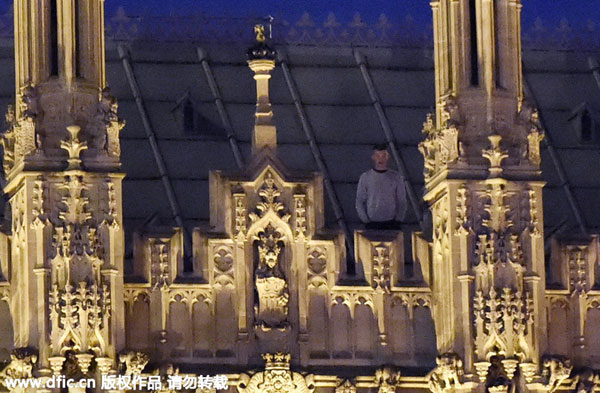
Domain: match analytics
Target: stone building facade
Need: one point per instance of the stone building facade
(271, 301)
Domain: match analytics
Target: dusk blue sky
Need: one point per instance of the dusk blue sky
(550, 11)
(579, 14)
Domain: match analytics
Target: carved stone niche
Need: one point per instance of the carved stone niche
(574, 264)
(381, 257)
(271, 286)
(266, 188)
(158, 255)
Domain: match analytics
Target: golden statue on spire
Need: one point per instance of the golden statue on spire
(260, 32)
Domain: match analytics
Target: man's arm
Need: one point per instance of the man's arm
(361, 199)
(401, 200)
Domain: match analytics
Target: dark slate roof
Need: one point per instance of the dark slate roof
(340, 111)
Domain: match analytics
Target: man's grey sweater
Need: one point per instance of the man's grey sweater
(381, 196)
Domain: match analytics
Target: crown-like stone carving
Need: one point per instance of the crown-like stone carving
(272, 307)
(387, 380)
(276, 378)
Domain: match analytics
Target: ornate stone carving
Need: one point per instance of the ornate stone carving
(277, 378)
(387, 380)
(497, 218)
(533, 216)
(75, 200)
(160, 264)
(223, 266)
(528, 371)
(412, 300)
(317, 268)
(450, 112)
(134, 362)
(500, 374)
(447, 375)
(37, 201)
(345, 386)
(462, 216)
(503, 323)
(106, 113)
(556, 370)
(8, 139)
(381, 268)
(79, 318)
(440, 147)
(29, 102)
(133, 295)
(21, 364)
(427, 147)
(239, 200)
(25, 132)
(80, 301)
(111, 203)
(74, 147)
(533, 146)
(300, 215)
(530, 118)
(495, 155)
(269, 195)
(190, 296)
(351, 299)
(272, 288)
(577, 260)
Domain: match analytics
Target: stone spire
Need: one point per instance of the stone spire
(60, 82)
(482, 178)
(61, 153)
(479, 91)
(261, 60)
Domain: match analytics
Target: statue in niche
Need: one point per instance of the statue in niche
(271, 302)
(107, 108)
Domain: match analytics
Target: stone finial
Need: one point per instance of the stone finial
(261, 60)
(495, 155)
(74, 147)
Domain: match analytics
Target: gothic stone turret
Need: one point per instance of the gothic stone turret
(482, 157)
(61, 151)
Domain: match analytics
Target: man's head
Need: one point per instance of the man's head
(380, 157)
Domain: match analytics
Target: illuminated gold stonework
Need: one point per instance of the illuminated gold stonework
(269, 298)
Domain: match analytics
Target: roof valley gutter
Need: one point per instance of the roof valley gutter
(385, 125)
(557, 163)
(214, 88)
(151, 135)
(314, 148)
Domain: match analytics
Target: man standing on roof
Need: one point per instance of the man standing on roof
(381, 196)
